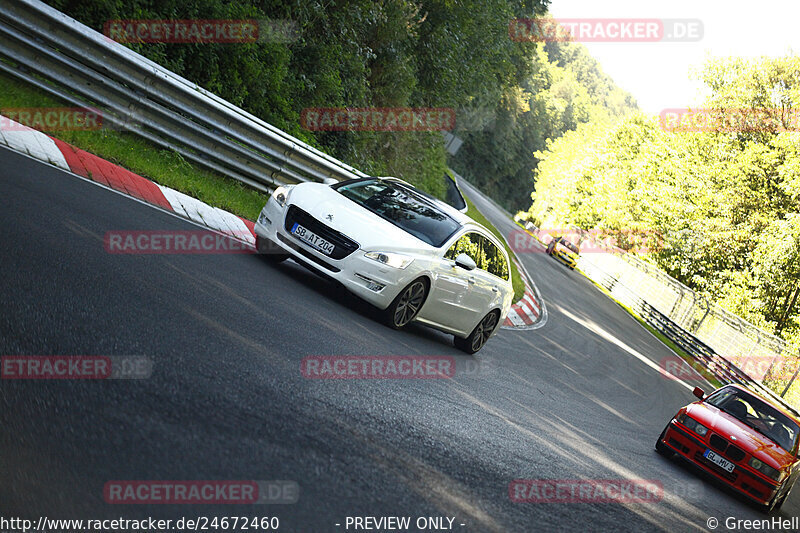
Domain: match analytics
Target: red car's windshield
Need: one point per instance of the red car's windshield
(570, 246)
(757, 414)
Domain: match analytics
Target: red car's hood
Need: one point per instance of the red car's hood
(746, 438)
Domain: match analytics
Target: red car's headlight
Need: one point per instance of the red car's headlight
(692, 424)
(765, 469)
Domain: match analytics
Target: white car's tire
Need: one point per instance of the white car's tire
(405, 307)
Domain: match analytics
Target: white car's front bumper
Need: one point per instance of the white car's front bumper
(372, 281)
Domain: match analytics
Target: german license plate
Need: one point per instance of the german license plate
(719, 461)
(312, 239)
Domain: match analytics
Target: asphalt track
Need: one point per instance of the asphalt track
(579, 398)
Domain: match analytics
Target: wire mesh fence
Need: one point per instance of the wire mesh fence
(765, 358)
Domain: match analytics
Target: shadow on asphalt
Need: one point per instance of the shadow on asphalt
(336, 293)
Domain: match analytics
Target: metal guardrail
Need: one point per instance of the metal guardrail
(712, 362)
(767, 358)
(709, 359)
(684, 317)
(70, 61)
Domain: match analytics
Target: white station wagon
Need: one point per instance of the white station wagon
(410, 255)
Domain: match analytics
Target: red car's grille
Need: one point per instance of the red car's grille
(718, 443)
(729, 450)
(754, 491)
(734, 453)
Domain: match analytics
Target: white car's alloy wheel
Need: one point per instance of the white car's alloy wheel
(479, 335)
(407, 304)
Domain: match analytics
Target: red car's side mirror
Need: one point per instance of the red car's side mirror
(698, 392)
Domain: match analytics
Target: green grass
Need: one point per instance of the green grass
(516, 278)
(127, 150)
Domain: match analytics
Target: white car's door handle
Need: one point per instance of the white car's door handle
(495, 289)
(471, 281)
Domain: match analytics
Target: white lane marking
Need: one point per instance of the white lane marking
(188, 205)
(204, 214)
(238, 226)
(210, 216)
(54, 155)
(32, 142)
(527, 310)
(173, 198)
(514, 317)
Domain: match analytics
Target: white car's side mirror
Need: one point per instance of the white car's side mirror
(464, 261)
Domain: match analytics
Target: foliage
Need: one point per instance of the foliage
(347, 53)
(563, 88)
(726, 203)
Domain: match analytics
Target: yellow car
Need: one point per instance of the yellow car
(564, 251)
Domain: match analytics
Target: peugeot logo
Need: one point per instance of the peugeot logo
(330, 217)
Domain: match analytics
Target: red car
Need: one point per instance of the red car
(741, 439)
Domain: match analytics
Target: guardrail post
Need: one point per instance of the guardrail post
(791, 381)
(703, 318)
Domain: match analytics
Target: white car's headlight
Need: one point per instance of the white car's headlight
(390, 259)
(281, 193)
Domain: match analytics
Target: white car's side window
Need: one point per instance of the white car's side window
(483, 251)
(496, 260)
(470, 244)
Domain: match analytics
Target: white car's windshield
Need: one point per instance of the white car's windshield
(403, 207)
